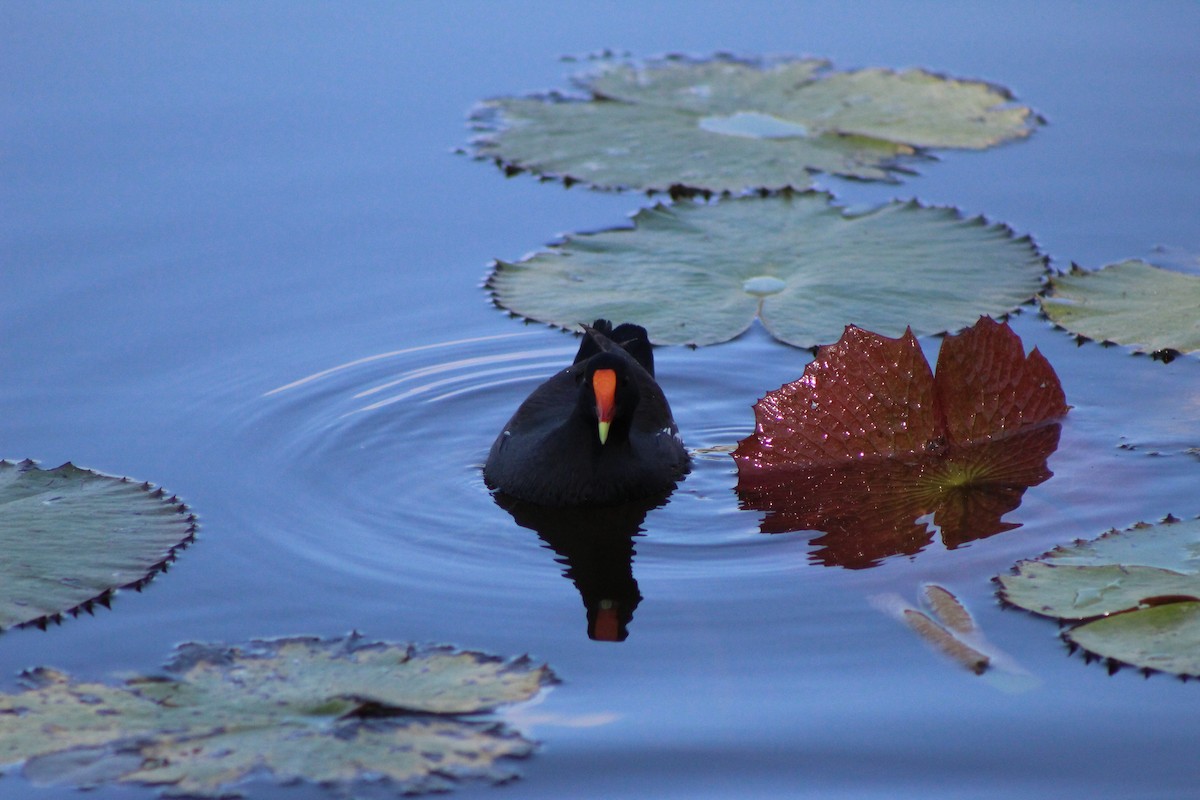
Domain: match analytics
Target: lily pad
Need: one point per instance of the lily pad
(700, 274)
(70, 537)
(1133, 303)
(1136, 591)
(337, 712)
(875, 451)
(729, 125)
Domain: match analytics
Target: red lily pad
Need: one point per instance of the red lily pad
(874, 450)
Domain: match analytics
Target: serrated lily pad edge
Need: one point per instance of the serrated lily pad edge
(483, 120)
(1113, 665)
(186, 655)
(498, 265)
(1165, 355)
(105, 597)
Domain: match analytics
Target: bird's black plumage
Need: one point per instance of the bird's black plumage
(550, 452)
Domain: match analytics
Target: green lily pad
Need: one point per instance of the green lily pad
(1163, 638)
(1133, 303)
(70, 537)
(728, 125)
(1136, 592)
(337, 712)
(695, 273)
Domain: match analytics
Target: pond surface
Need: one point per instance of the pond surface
(240, 259)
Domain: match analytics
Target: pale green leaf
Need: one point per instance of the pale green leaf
(725, 125)
(714, 86)
(333, 712)
(1131, 303)
(70, 537)
(700, 273)
(1164, 638)
(1137, 592)
(1079, 592)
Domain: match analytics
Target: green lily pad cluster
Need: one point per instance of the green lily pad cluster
(1133, 596)
(754, 132)
(730, 126)
(336, 712)
(339, 712)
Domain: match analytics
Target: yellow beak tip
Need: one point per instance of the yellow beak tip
(604, 432)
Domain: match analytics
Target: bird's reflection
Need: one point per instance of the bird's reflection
(595, 546)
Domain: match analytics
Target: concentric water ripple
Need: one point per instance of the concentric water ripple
(385, 454)
(379, 471)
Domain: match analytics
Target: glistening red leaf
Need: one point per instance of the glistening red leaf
(986, 388)
(875, 451)
(865, 396)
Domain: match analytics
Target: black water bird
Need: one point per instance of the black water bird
(599, 432)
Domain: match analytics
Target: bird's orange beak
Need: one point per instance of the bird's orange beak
(604, 384)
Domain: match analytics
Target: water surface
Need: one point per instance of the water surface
(239, 259)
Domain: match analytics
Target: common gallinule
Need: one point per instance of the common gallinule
(598, 433)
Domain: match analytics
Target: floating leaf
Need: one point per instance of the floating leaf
(700, 273)
(1164, 638)
(1140, 589)
(727, 125)
(948, 627)
(335, 712)
(69, 537)
(872, 449)
(1133, 303)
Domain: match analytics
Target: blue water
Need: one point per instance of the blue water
(239, 258)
